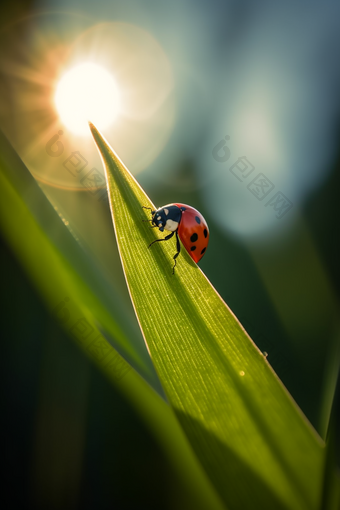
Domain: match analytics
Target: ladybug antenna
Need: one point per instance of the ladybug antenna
(150, 208)
(152, 213)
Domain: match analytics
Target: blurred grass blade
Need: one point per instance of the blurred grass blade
(331, 489)
(37, 233)
(251, 438)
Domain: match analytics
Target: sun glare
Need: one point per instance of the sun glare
(87, 93)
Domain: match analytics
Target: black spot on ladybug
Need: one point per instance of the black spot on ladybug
(197, 220)
(205, 232)
(203, 250)
(194, 238)
(183, 208)
(193, 248)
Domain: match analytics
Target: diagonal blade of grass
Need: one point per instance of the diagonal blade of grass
(75, 274)
(48, 261)
(253, 441)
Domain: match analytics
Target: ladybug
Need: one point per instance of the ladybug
(187, 223)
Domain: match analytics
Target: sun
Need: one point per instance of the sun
(87, 93)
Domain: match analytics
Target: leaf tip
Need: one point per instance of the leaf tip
(92, 128)
(97, 136)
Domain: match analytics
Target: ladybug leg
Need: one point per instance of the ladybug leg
(166, 238)
(178, 245)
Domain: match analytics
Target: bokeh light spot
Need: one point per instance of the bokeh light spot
(87, 93)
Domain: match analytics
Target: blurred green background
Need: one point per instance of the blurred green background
(265, 75)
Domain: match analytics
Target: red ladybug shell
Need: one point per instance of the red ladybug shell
(193, 231)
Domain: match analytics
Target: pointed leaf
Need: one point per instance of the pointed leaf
(254, 443)
(71, 285)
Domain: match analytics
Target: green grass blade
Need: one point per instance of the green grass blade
(254, 443)
(59, 269)
(331, 489)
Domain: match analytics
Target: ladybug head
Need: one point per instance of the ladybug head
(159, 218)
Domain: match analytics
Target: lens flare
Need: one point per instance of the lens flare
(87, 93)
